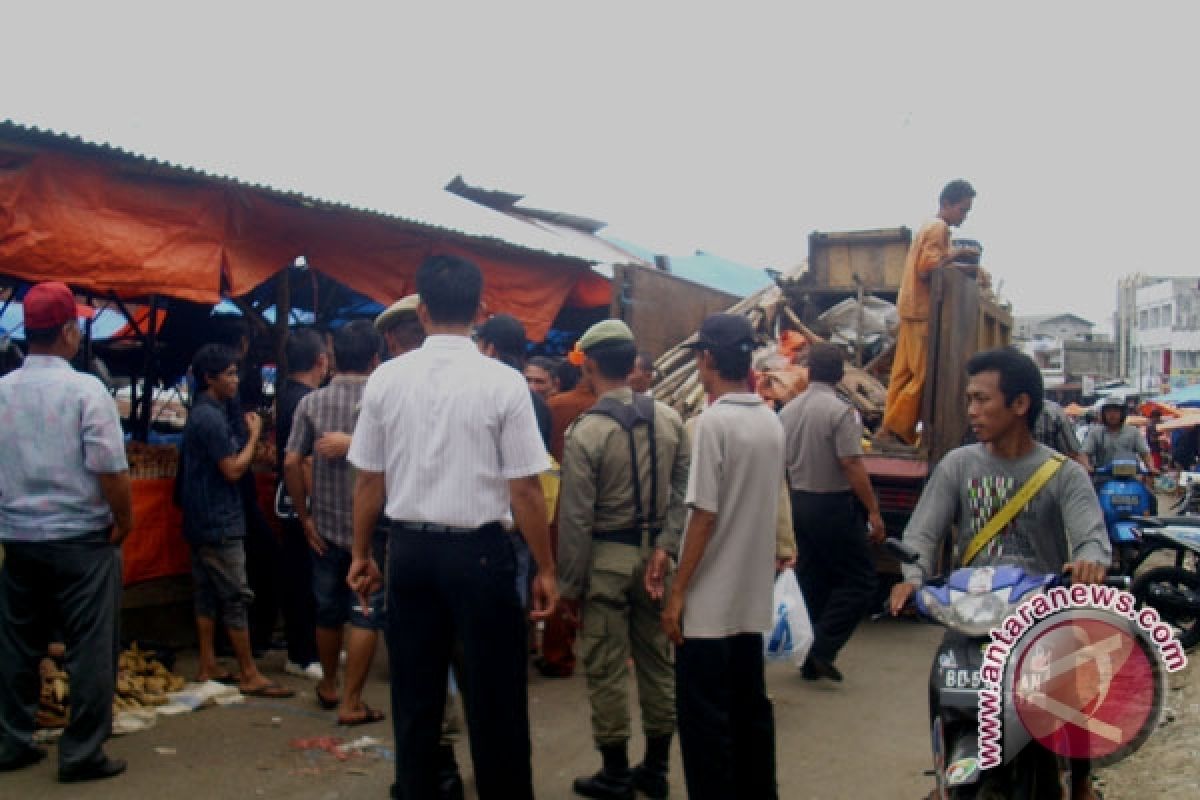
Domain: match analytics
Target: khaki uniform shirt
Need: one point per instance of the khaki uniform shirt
(596, 493)
(821, 429)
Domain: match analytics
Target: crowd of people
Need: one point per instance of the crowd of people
(441, 490)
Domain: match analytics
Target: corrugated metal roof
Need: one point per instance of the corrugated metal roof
(435, 210)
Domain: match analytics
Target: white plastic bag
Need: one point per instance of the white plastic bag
(791, 635)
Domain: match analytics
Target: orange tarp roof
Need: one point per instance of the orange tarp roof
(85, 221)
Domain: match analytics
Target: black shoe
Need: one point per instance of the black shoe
(652, 784)
(449, 781)
(614, 781)
(650, 776)
(108, 768)
(814, 669)
(30, 757)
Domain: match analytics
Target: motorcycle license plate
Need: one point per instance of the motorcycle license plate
(961, 679)
(1125, 500)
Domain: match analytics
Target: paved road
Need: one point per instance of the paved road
(864, 739)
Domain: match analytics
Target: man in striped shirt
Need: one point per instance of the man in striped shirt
(329, 529)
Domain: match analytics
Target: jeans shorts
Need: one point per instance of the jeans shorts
(336, 601)
(219, 574)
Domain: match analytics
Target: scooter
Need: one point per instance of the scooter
(1139, 542)
(969, 603)
(1123, 497)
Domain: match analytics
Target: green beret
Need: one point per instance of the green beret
(397, 311)
(605, 332)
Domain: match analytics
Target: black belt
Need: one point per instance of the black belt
(434, 527)
(629, 536)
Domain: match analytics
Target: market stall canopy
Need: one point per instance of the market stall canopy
(1188, 396)
(106, 220)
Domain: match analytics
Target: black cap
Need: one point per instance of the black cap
(505, 332)
(725, 332)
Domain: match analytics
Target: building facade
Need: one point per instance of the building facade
(1165, 337)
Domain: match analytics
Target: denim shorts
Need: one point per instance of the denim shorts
(336, 601)
(219, 575)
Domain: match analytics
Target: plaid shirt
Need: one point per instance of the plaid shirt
(333, 409)
(1055, 430)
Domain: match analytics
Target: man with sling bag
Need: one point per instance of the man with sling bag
(624, 477)
(1013, 500)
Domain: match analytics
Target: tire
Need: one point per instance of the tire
(1186, 622)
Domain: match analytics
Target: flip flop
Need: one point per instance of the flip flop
(325, 703)
(270, 690)
(369, 716)
(228, 678)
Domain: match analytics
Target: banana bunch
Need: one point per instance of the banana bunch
(142, 682)
(54, 697)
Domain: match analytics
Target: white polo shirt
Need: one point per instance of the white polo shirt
(449, 428)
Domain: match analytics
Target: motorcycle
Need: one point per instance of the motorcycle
(1139, 542)
(1123, 497)
(1171, 589)
(969, 603)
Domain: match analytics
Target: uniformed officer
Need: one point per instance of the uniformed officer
(621, 512)
(830, 490)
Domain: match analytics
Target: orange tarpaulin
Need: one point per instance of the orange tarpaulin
(156, 547)
(102, 226)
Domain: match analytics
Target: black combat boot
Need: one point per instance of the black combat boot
(650, 776)
(614, 781)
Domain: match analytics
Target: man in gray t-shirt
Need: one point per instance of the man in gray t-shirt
(1113, 440)
(1061, 527)
(721, 599)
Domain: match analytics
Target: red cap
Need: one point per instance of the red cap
(52, 305)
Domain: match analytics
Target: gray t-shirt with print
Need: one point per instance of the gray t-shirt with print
(1062, 523)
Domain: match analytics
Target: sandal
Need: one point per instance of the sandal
(269, 690)
(325, 703)
(369, 716)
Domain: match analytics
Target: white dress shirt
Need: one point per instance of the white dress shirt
(448, 427)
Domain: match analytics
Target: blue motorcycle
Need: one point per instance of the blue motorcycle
(1124, 499)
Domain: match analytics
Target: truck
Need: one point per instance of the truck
(963, 321)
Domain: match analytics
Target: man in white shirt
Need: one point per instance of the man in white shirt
(448, 437)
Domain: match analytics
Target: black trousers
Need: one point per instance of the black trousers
(75, 584)
(834, 566)
(443, 589)
(296, 594)
(726, 725)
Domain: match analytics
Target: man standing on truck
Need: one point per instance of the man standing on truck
(930, 250)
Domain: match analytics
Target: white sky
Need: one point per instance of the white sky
(737, 128)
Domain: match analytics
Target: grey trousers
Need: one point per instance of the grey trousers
(74, 586)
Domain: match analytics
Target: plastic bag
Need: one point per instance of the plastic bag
(791, 635)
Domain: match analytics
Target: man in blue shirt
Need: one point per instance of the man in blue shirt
(65, 507)
(213, 518)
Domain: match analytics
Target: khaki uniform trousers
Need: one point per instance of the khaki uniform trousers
(620, 620)
(907, 383)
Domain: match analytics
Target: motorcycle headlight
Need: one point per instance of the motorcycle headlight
(971, 613)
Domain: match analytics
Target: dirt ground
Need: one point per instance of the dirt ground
(865, 739)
